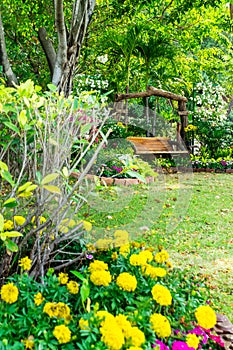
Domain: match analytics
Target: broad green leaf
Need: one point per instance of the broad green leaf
(6, 234)
(79, 275)
(26, 101)
(23, 187)
(3, 166)
(12, 127)
(22, 118)
(1, 222)
(85, 291)
(52, 87)
(52, 189)
(65, 171)
(31, 188)
(11, 246)
(10, 203)
(135, 174)
(49, 178)
(7, 176)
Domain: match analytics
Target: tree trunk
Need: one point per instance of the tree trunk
(4, 62)
(70, 42)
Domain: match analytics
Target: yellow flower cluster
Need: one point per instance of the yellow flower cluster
(154, 272)
(8, 225)
(97, 265)
(62, 333)
(112, 335)
(9, 293)
(59, 310)
(72, 287)
(206, 317)
(127, 282)
(28, 343)
(162, 256)
(19, 220)
(118, 331)
(141, 258)
(160, 325)
(124, 250)
(161, 295)
(101, 278)
(38, 299)
(25, 263)
(63, 278)
(192, 341)
(121, 237)
(83, 324)
(190, 127)
(103, 244)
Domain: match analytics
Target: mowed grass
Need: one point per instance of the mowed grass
(190, 215)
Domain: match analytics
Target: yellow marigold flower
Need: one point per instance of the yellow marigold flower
(25, 263)
(103, 244)
(134, 348)
(112, 335)
(9, 293)
(29, 343)
(162, 256)
(169, 264)
(160, 325)
(63, 278)
(192, 341)
(137, 260)
(124, 250)
(121, 238)
(124, 325)
(97, 265)
(19, 220)
(101, 278)
(135, 245)
(114, 256)
(8, 225)
(154, 272)
(87, 225)
(59, 310)
(161, 295)
(126, 282)
(38, 299)
(62, 333)
(147, 254)
(104, 315)
(83, 324)
(206, 317)
(72, 287)
(137, 336)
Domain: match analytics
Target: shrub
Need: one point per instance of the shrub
(145, 303)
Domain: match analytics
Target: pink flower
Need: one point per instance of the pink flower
(180, 345)
(161, 344)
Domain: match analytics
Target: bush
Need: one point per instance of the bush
(129, 297)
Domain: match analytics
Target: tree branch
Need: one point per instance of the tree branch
(48, 48)
(62, 41)
(4, 62)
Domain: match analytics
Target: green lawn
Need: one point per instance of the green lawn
(191, 215)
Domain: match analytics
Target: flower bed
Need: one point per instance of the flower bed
(125, 296)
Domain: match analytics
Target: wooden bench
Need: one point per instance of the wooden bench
(160, 146)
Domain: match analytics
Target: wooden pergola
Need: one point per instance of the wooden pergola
(152, 91)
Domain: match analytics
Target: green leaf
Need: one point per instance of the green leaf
(79, 275)
(12, 127)
(22, 118)
(85, 291)
(52, 189)
(23, 187)
(49, 178)
(3, 166)
(52, 87)
(10, 203)
(1, 222)
(136, 175)
(7, 176)
(11, 246)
